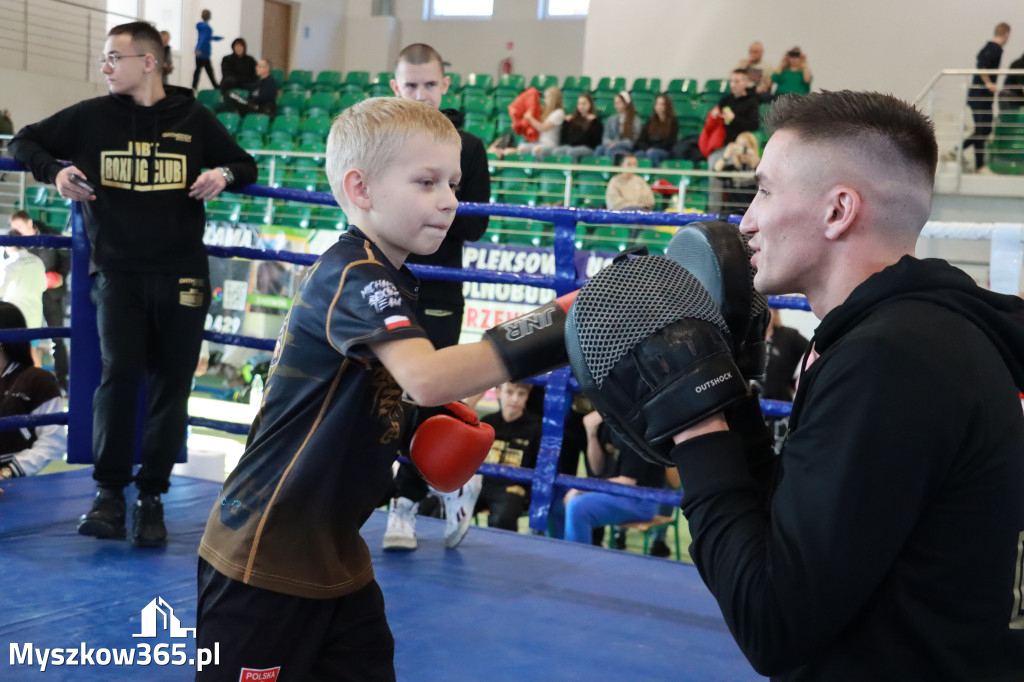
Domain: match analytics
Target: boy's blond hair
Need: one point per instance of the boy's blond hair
(368, 136)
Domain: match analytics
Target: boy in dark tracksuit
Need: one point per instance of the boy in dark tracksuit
(143, 149)
(286, 585)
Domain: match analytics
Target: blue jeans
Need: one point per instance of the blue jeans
(589, 510)
(655, 154)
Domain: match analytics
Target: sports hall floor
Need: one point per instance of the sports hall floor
(504, 606)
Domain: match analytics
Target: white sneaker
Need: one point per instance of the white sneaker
(400, 535)
(458, 511)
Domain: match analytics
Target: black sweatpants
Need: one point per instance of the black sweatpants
(202, 64)
(443, 325)
(151, 329)
(310, 640)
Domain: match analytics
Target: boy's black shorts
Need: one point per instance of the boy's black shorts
(306, 640)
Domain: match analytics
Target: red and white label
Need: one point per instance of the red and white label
(396, 321)
(264, 675)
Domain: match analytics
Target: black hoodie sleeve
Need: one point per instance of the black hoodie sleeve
(220, 149)
(39, 145)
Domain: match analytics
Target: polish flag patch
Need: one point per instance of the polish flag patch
(396, 321)
(262, 675)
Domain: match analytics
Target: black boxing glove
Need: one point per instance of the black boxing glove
(533, 343)
(649, 348)
(716, 253)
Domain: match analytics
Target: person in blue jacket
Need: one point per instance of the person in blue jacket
(205, 36)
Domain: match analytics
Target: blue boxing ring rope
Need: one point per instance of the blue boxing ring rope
(559, 384)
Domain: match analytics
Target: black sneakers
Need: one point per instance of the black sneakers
(148, 522)
(106, 518)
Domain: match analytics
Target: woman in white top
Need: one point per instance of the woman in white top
(552, 116)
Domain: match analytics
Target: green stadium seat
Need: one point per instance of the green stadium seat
(483, 130)
(211, 99)
(502, 124)
(454, 82)
(224, 209)
(525, 233)
(515, 186)
(576, 83)
(326, 81)
(656, 241)
(299, 80)
(503, 98)
(477, 102)
(608, 238)
(316, 124)
(648, 85)
(478, 82)
(318, 112)
(249, 140)
(312, 145)
(451, 100)
(610, 84)
(255, 123)
(510, 82)
(543, 81)
(643, 102)
(604, 102)
(328, 218)
(322, 100)
(285, 124)
(714, 89)
(682, 89)
(278, 76)
(348, 99)
(357, 79)
(551, 188)
(229, 120)
(292, 215)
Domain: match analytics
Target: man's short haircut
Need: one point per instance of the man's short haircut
(145, 38)
(742, 71)
(21, 215)
(369, 135)
(846, 115)
(1003, 30)
(420, 53)
(205, 14)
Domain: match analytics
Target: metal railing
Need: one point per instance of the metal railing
(948, 100)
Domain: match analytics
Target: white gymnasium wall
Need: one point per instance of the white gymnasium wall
(887, 45)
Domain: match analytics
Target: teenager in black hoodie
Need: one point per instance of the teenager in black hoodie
(885, 542)
(142, 148)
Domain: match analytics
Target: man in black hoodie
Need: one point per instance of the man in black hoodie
(140, 152)
(886, 540)
(419, 75)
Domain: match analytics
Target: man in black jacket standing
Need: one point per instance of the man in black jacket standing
(136, 157)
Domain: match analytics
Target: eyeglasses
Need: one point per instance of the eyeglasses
(113, 59)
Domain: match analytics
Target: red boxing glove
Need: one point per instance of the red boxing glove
(449, 448)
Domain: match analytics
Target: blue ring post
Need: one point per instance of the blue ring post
(85, 347)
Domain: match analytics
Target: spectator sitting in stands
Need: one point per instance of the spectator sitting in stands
(581, 132)
(516, 443)
(659, 133)
(262, 97)
(552, 116)
(622, 129)
(741, 155)
(627, 191)
(57, 263)
(26, 390)
(793, 75)
(585, 511)
(760, 75)
(238, 69)
(23, 281)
